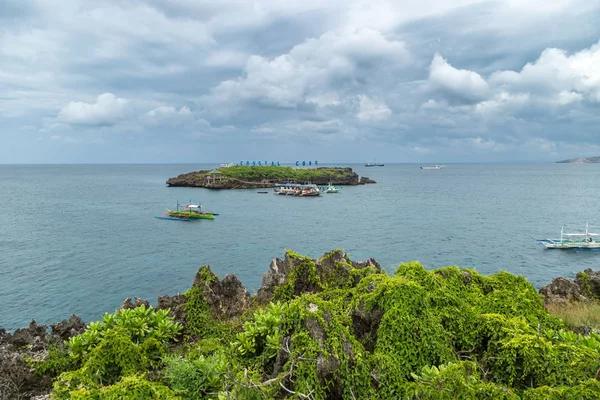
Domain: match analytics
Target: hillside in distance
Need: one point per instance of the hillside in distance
(581, 160)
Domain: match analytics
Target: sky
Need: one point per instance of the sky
(192, 81)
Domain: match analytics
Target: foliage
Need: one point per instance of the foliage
(457, 380)
(200, 324)
(345, 332)
(57, 362)
(584, 281)
(125, 343)
(196, 378)
(258, 173)
(135, 387)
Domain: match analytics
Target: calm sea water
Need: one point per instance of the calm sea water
(81, 238)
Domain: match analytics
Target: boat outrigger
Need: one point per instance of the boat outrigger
(190, 211)
(577, 241)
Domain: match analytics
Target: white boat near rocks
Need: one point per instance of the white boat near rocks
(577, 241)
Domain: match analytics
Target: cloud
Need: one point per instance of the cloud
(311, 71)
(457, 84)
(466, 80)
(556, 72)
(370, 110)
(167, 115)
(107, 110)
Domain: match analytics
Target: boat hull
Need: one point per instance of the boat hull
(190, 215)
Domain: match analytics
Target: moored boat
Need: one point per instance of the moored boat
(331, 189)
(294, 189)
(577, 241)
(188, 212)
(431, 167)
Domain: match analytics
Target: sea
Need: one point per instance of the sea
(79, 239)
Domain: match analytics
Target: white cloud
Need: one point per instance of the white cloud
(167, 115)
(555, 71)
(309, 71)
(226, 59)
(107, 110)
(371, 110)
(468, 86)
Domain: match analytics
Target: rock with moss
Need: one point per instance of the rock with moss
(251, 177)
(297, 274)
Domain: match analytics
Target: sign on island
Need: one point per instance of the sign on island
(274, 163)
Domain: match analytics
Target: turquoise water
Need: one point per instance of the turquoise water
(81, 238)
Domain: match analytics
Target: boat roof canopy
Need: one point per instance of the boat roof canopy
(295, 185)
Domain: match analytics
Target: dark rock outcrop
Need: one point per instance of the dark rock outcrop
(176, 305)
(67, 329)
(562, 290)
(226, 298)
(18, 379)
(365, 180)
(585, 287)
(327, 268)
(135, 303)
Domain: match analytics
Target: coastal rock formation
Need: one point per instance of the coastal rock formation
(135, 303)
(335, 263)
(18, 379)
(585, 287)
(176, 305)
(226, 298)
(241, 177)
(365, 180)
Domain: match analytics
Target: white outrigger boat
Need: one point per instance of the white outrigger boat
(578, 241)
(331, 189)
(432, 167)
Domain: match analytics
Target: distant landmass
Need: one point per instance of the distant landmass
(581, 160)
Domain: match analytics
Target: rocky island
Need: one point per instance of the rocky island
(580, 160)
(326, 328)
(253, 177)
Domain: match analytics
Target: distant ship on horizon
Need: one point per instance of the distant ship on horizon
(373, 164)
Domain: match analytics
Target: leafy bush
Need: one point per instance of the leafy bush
(125, 343)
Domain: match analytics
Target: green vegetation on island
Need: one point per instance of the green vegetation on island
(580, 160)
(249, 177)
(333, 328)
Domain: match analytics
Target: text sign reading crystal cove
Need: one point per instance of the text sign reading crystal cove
(273, 163)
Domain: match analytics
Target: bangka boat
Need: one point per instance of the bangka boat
(577, 241)
(188, 212)
(431, 167)
(293, 189)
(331, 189)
